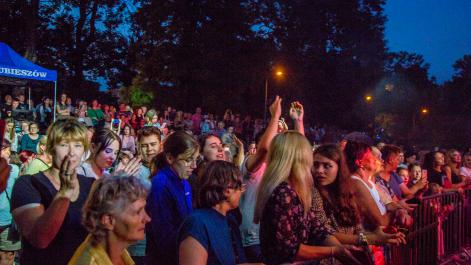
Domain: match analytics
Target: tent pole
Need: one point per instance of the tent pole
(55, 99)
(29, 97)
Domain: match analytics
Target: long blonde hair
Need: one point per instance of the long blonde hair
(289, 159)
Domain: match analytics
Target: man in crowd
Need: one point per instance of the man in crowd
(95, 113)
(389, 181)
(148, 139)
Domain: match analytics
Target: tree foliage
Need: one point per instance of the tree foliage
(81, 38)
(219, 53)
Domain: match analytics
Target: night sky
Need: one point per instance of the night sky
(440, 30)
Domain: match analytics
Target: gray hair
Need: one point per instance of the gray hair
(109, 195)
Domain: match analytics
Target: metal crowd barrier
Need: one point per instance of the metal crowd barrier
(442, 228)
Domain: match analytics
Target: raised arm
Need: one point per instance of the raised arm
(296, 112)
(255, 161)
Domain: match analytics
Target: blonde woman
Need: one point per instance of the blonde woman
(284, 207)
(46, 206)
(42, 161)
(115, 217)
(452, 169)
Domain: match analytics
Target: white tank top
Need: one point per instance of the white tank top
(374, 193)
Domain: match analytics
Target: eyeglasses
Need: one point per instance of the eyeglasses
(190, 161)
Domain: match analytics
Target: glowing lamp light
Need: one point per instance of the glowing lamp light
(279, 73)
(368, 98)
(424, 111)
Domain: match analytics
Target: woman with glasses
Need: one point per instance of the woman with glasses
(169, 201)
(206, 236)
(29, 142)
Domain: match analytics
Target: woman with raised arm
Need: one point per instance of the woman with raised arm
(46, 206)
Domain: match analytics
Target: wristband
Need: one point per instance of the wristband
(362, 239)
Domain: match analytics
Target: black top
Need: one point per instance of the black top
(38, 189)
(436, 177)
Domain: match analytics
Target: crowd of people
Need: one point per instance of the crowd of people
(102, 185)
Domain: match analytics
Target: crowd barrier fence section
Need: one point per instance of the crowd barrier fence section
(442, 227)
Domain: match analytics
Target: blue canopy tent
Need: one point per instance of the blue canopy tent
(13, 65)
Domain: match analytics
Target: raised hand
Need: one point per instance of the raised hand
(296, 111)
(237, 141)
(275, 108)
(132, 168)
(68, 179)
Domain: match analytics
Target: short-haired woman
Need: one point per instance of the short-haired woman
(169, 201)
(114, 215)
(46, 206)
(205, 236)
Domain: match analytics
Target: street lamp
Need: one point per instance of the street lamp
(279, 74)
(368, 98)
(423, 111)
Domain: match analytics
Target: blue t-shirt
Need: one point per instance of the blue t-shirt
(5, 197)
(393, 184)
(213, 231)
(38, 189)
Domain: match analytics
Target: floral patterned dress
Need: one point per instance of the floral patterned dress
(284, 227)
(329, 220)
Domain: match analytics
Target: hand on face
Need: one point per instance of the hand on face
(68, 178)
